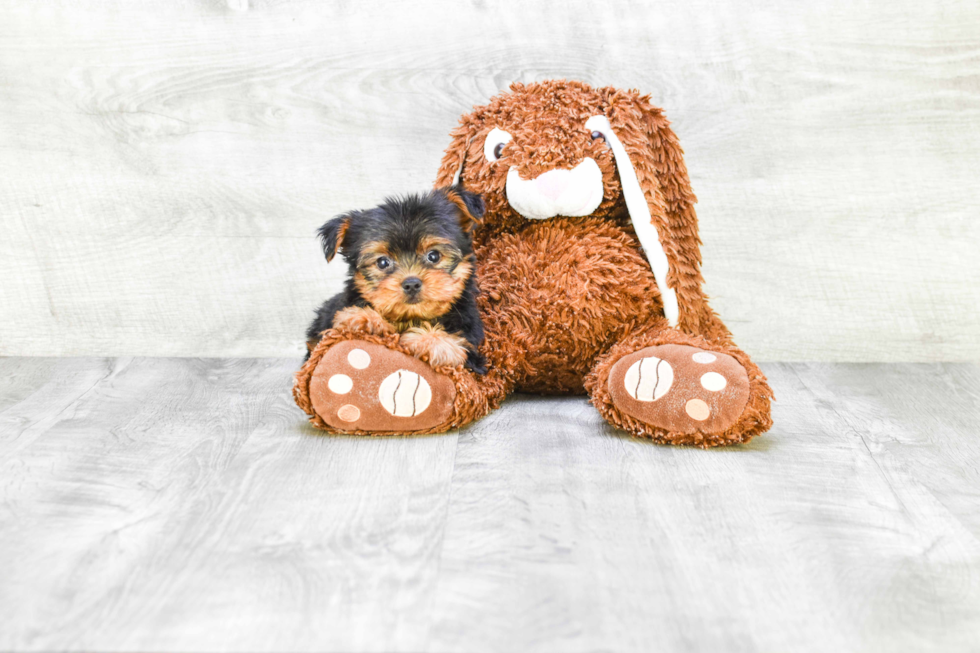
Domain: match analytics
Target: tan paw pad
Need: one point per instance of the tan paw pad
(713, 382)
(697, 409)
(340, 384)
(349, 413)
(359, 359)
(361, 386)
(680, 388)
(648, 379)
(405, 394)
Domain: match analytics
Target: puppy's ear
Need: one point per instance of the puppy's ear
(471, 206)
(332, 235)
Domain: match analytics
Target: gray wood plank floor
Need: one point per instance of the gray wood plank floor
(184, 504)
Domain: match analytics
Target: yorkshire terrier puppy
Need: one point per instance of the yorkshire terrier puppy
(411, 271)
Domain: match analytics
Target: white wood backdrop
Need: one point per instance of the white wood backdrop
(163, 165)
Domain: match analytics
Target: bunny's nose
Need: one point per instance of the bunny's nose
(552, 183)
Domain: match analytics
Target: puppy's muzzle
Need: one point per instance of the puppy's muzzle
(412, 287)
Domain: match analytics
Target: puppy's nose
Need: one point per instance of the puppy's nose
(412, 285)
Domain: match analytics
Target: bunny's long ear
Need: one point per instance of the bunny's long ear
(454, 160)
(659, 199)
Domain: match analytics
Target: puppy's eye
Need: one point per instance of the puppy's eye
(383, 263)
(433, 256)
(597, 135)
(493, 147)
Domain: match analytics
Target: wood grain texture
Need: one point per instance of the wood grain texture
(844, 529)
(173, 493)
(163, 166)
(185, 505)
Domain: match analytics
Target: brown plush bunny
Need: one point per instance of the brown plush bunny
(589, 268)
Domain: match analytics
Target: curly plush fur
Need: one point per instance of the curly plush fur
(564, 298)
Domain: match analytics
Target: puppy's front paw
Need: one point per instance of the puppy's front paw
(433, 344)
(364, 320)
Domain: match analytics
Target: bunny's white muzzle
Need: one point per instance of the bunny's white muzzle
(572, 193)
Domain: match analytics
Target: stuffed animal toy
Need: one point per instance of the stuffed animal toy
(588, 261)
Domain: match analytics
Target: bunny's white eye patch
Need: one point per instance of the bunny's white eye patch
(495, 142)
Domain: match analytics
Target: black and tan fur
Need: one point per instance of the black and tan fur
(411, 270)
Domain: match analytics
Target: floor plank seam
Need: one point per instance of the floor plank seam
(864, 443)
(442, 543)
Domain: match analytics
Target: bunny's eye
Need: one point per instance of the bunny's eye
(493, 147)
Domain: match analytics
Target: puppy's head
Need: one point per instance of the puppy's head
(410, 257)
